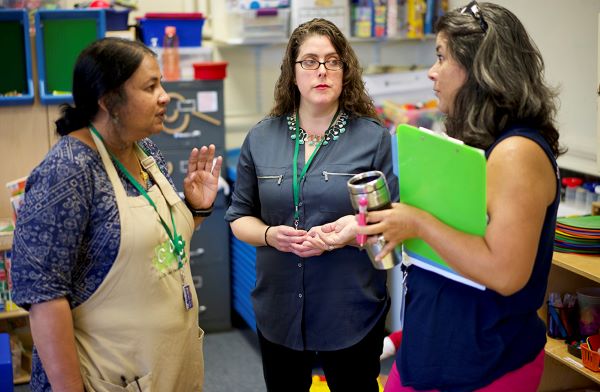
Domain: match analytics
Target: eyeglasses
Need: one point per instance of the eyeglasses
(332, 65)
(473, 9)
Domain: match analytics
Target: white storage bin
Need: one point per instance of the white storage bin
(239, 26)
(401, 87)
(336, 11)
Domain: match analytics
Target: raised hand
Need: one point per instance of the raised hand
(200, 185)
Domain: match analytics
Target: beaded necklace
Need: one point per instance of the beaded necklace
(331, 134)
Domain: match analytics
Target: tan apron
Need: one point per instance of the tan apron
(134, 333)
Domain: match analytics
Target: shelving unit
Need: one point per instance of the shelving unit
(6, 244)
(16, 65)
(569, 272)
(254, 66)
(60, 37)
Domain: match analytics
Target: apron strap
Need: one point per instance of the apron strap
(151, 167)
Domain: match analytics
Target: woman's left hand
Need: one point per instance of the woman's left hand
(200, 185)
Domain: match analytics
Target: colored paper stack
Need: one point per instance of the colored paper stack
(578, 234)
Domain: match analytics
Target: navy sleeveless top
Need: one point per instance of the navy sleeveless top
(458, 338)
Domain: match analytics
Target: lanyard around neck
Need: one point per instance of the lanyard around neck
(176, 240)
(296, 181)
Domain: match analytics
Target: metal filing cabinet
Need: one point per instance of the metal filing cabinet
(195, 118)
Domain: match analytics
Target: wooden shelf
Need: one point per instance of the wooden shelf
(586, 266)
(582, 269)
(23, 378)
(13, 314)
(557, 349)
(265, 41)
(6, 241)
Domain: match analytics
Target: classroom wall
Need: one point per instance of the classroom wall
(566, 32)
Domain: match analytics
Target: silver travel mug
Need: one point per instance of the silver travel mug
(373, 187)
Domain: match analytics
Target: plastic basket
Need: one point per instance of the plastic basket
(591, 359)
(210, 70)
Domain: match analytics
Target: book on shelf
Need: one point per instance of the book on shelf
(16, 190)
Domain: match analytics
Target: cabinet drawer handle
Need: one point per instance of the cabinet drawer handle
(198, 281)
(197, 252)
(202, 309)
(186, 105)
(187, 135)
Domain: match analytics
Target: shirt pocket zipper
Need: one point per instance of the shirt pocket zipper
(326, 174)
(279, 178)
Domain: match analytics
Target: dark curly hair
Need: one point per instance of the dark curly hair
(505, 78)
(354, 99)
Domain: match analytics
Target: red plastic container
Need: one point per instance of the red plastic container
(214, 70)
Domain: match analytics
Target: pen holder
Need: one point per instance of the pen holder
(373, 187)
(562, 322)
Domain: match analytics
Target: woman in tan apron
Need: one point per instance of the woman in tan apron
(138, 329)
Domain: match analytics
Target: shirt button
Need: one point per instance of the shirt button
(300, 295)
(300, 204)
(299, 265)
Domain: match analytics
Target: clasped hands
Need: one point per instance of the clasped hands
(315, 241)
(395, 224)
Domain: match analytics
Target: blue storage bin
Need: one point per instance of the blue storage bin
(15, 67)
(6, 371)
(189, 29)
(116, 20)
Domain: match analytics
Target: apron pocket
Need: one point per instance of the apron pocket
(142, 384)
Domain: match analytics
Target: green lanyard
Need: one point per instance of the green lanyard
(296, 182)
(177, 241)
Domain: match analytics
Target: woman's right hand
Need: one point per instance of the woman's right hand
(284, 237)
(396, 224)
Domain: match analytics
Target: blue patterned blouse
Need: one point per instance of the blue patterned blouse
(68, 231)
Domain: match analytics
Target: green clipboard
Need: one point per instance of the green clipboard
(447, 178)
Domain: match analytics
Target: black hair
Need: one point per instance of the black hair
(101, 71)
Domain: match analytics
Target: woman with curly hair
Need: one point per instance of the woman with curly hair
(316, 297)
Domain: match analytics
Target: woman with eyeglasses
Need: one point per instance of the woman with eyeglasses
(316, 297)
(489, 79)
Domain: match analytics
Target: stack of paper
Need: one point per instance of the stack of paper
(578, 234)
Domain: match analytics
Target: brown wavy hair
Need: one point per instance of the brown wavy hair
(354, 99)
(505, 78)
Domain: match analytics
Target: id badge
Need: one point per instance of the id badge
(188, 302)
(403, 296)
